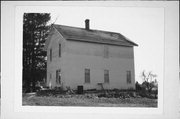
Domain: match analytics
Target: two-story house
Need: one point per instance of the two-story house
(87, 57)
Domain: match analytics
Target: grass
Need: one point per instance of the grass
(86, 100)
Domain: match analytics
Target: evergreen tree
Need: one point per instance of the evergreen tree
(35, 31)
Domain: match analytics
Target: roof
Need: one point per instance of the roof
(94, 36)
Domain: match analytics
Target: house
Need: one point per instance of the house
(89, 58)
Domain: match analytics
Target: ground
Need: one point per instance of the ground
(88, 100)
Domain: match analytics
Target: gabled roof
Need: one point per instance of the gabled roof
(93, 36)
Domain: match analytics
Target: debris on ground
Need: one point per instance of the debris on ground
(69, 90)
(90, 94)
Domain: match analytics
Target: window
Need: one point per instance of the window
(128, 76)
(59, 50)
(58, 76)
(106, 51)
(87, 75)
(106, 76)
(50, 54)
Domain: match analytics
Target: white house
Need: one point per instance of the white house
(87, 57)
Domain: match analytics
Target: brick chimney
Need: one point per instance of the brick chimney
(87, 24)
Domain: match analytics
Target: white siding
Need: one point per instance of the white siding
(77, 56)
(81, 55)
(57, 61)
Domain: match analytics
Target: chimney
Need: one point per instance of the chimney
(87, 24)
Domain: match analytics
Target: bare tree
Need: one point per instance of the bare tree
(149, 81)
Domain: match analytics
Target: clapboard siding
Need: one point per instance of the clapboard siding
(78, 55)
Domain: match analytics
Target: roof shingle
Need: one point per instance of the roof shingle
(95, 36)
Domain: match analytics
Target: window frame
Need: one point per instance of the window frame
(128, 77)
(58, 76)
(106, 76)
(50, 53)
(106, 51)
(59, 49)
(87, 78)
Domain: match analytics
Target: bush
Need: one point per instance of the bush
(138, 86)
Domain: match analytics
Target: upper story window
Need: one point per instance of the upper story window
(59, 50)
(128, 77)
(87, 75)
(51, 54)
(106, 76)
(106, 51)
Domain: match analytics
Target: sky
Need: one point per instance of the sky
(142, 25)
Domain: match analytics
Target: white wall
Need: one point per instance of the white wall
(57, 61)
(81, 55)
(76, 56)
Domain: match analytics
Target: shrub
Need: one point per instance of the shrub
(138, 86)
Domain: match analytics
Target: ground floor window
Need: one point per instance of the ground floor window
(129, 77)
(58, 76)
(87, 75)
(106, 76)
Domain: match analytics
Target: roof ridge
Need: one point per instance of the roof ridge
(93, 34)
(87, 30)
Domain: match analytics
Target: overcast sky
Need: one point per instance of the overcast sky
(144, 26)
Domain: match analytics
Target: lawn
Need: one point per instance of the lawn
(87, 100)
